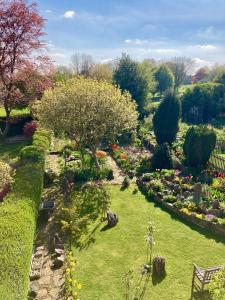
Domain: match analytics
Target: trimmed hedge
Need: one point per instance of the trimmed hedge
(18, 222)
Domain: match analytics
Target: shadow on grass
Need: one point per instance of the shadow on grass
(207, 233)
(201, 296)
(89, 239)
(156, 279)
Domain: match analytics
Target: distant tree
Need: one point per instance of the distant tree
(203, 102)
(164, 79)
(63, 73)
(215, 71)
(180, 66)
(101, 72)
(166, 119)
(88, 111)
(129, 77)
(21, 28)
(220, 78)
(81, 64)
(148, 67)
(201, 75)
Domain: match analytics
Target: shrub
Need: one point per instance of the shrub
(32, 152)
(217, 286)
(17, 227)
(144, 166)
(125, 183)
(30, 128)
(170, 199)
(156, 185)
(166, 118)
(6, 178)
(42, 139)
(162, 158)
(199, 143)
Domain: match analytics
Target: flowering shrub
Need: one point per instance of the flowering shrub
(72, 286)
(114, 147)
(6, 179)
(101, 154)
(30, 128)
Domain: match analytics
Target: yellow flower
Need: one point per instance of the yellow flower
(79, 286)
(73, 264)
(67, 270)
(75, 293)
(70, 280)
(75, 281)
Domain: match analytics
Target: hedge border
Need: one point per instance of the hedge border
(18, 215)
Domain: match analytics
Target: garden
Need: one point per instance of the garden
(112, 178)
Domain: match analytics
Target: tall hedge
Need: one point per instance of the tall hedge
(199, 143)
(166, 119)
(18, 216)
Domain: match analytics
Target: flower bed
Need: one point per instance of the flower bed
(129, 158)
(200, 204)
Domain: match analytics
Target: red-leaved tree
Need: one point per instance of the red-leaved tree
(21, 30)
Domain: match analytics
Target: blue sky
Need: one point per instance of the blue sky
(157, 29)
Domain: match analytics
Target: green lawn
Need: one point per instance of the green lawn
(15, 112)
(102, 265)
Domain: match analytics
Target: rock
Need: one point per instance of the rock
(59, 252)
(176, 188)
(34, 275)
(187, 194)
(197, 192)
(34, 286)
(112, 218)
(58, 262)
(216, 204)
(216, 212)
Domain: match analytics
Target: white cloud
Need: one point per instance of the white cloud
(136, 42)
(70, 14)
(203, 47)
(48, 11)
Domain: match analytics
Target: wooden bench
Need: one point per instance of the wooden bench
(201, 277)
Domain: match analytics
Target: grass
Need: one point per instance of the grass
(101, 266)
(15, 112)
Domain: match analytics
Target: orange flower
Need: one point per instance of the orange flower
(101, 154)
(114, 147)
(123, 156)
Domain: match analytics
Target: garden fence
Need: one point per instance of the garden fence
(216, 160)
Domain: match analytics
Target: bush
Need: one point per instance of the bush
(166, 118)
(125, 183)
(162, 158)
(42, 139)
(199, 144)
(30, 128)
(32, 152)
(144, 167)
(170, 199)
(17, 227)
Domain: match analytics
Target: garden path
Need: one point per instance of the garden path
(117, 172)
(50, 285)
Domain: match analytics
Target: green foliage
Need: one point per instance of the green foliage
(18, 220)
(33, 153)
(170, 198)
(42, 138)
(220, 78)
(199, 143)
(164, 78)
(125, 183)
(129, 77)
(166, 118)
(203, 102)
(162, 158)
(217, 286)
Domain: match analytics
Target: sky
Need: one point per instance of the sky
(159, 29)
